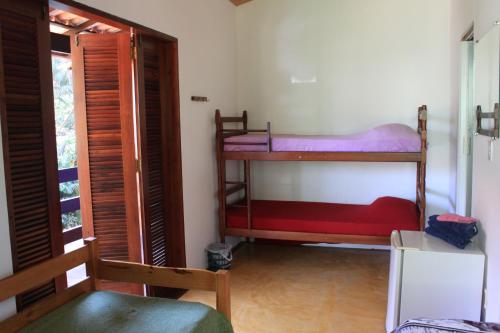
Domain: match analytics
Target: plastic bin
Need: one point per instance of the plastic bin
(219, 256)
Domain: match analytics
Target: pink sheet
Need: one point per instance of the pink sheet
(392, 138)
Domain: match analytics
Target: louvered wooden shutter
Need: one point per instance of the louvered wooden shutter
(160, 154)
(102, 67)
(28, 135)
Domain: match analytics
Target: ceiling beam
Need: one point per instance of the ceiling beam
(239, 2)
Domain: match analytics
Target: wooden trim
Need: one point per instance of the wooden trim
(170, 97)
(248, 191)
(41, 273)
(181, 278)
(322, 156)
(40, 309)
(308, 236)
(221, 173)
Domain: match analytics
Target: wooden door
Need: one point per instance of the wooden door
(29, 141)
(107, 167)
(160, 151)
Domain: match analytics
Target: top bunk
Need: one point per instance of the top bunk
(386, 143)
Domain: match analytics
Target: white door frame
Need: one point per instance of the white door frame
(465, 129)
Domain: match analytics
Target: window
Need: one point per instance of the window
(66, 141)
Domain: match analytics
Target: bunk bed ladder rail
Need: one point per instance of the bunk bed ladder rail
(235, 186)
(421, 165)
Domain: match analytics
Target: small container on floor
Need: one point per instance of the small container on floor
(219, 256)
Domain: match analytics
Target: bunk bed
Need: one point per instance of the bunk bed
(316, 222)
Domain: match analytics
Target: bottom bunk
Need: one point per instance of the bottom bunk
(323, 222)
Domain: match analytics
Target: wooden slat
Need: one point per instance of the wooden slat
(34, 276)
(308, 236)
(322, 156)
(36, 311)
(232, 120)
(29, 140)
(181, 278)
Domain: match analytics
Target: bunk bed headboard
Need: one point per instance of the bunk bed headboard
(223, 133)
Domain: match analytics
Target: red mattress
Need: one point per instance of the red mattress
(377, 219)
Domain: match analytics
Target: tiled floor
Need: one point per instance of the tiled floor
(292, 289)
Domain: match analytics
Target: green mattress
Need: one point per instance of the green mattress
(104, 311)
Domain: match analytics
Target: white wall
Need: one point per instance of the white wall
(486, 12)
(366, 63)
(486, 172)
(7, 308)
(206, 33)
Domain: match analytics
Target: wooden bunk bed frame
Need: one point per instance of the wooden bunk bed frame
(227, 188)
(102, 269)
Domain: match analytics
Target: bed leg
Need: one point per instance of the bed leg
(248, 193)
(222, 286)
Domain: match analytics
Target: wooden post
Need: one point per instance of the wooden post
(245, 120)
(221, 174)
(421, 166)
(248, 193)
(222, 290)
(91, 265)
(269, 139)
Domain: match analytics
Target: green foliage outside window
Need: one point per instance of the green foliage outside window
(65, 132)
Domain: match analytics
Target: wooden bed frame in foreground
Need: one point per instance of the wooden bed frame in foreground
(100, 269)
(227, 188)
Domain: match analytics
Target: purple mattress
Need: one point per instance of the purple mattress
(394, 138)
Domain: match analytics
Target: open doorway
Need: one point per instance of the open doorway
(118, 139)
(67, 161)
